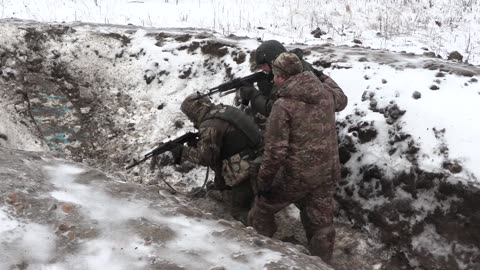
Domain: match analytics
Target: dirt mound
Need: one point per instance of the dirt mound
(410, 210)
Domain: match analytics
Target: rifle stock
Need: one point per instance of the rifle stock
(164, 147)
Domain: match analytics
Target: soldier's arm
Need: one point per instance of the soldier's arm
(261, 104)
(206, 152)
(340, 98)
(276, 142)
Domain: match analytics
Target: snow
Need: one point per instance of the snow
(426, 241)
(24, 240)
(18, 136)
(453, 107)
(7, 223)
(191, 237)
(388, 24)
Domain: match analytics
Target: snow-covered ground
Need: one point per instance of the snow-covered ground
(440, 26)
(103, 94)
(58, 215)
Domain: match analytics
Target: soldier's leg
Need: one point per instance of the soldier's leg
(242, 200)
(262, 215)
(316, 212)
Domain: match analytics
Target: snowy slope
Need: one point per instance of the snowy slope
(59, 215)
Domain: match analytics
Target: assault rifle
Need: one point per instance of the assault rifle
(229, 87)
(167, 146)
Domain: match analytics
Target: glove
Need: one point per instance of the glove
(264, 188)
(247, 93)
(177, 153)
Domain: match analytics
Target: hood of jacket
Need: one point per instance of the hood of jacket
(305, 87)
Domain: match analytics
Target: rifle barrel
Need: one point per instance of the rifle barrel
(164, 147)
(235, 83)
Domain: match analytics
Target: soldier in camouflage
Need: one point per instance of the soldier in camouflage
(261, 100)
(228, 141)
(301, 161)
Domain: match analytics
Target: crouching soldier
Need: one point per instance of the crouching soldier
(300, 161)
(228, 143)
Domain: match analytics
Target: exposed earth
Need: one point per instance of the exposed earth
(73, 92)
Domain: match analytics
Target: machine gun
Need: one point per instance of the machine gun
(230, 86)
(188, 137)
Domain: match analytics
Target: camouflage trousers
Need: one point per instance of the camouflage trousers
(239, 174)
(316, 212)
(241, 201)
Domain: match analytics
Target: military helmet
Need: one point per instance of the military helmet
(195, 108)
(287, 64)
(268, 51)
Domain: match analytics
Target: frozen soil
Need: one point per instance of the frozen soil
(63, 215)
(75, 88)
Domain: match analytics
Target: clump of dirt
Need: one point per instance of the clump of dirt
(190, 48)
(365, 131)
(416, 95)
(34, 39)
(346, 148)
(184, 74)
(179, 124)
(160, 38)
(149, 77)
(392, 113)
(370, 96)
(203, 35)
(124, 40)
(322, 63)
(183, 38)
(456, 56)
(215, 49)
(452, 165)
(193, 46)
(239, 57)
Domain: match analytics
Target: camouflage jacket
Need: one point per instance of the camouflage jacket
(263, 103)
(215, 136)
(300, 136)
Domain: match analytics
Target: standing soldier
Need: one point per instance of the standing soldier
(228, 141)
(261, 100)
(301, 161)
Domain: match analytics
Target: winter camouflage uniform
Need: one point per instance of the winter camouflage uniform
(261, 104)
(228, 139)
(301, 161)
